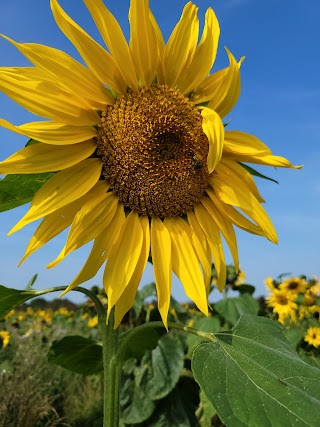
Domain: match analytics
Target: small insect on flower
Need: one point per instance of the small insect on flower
(197, 161)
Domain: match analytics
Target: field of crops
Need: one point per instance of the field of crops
(157, 387)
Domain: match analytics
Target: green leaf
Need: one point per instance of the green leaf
(256, 173)
(206, 411)
(17, 190)
(244, 288)
(232, 308)
(77, 354)
(253, 377)
(205, 324)
(31, 282)
(167, 361)
(141, 341)
(11, 298)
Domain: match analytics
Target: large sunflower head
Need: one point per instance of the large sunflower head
(144, 165)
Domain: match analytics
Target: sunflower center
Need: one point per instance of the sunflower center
(154, 151)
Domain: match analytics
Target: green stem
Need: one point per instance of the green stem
(111, 374)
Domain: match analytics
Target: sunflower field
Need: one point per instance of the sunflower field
(51, 356)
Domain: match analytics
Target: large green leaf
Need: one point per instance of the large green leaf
(167, 361)
(140, 342)
(77, 354)
(253, 377)
(11, 298)
(205, 324)
(232, 308)
(16, 190)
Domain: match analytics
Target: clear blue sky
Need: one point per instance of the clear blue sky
(279, 103)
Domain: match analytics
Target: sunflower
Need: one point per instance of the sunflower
(313, 336)
(295, 285)
(4, 339)
(283, 304)
(143, 163)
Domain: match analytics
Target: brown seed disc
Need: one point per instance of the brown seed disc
(154, 151)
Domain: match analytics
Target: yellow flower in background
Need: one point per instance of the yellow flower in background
(93, 322)
(20, 317)
(10, 314)
(142, 158)
(269, 283)
(63, 311)
(4, 339)
(313, 336)
(241, 278)
(283, 304)
(295, 285)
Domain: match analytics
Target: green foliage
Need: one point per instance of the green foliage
(252, 376)
(256, 173)
(232, 308)
(17, 190)
(78, 354)
(11, 298)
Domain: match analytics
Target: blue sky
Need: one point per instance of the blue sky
(279, 103)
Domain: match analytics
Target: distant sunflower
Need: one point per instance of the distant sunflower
(313, 336)
(4, 339)
(283, 304)
(142, 158)
(294, 284)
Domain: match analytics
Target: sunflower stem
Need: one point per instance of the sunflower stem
(111, 373)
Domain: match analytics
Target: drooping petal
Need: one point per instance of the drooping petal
(225, 227)
(235, 216)
(38, 158)
(143, 41)
(63, 188)
(114, 39)
(185, 264)
(100, 62)
(227, 94)
(230, 189)
(194, 224)
(243, 147)
(162, 265)
(126, 300)
(100, 250)
(202, 255)
(213, 127)
(123, 259)
(212, 232)
(47, 99)
(204, 55)
(52, 225)
(181, 45)
(52, 132)
(66, 71)
(243, 174)
(220, 88)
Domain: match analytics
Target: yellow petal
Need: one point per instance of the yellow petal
(162, 265)
(126, 300)
(199, 250)
(38, 158)
(235, 216)
(100, 250)
(66, 71)
(51, 226)
(212, 232)
(204, 243)
(185, 264)
(204, 55)
(113, 37)
(225, 227)
(123, 259)
(52, 132)
(243, 174)
(63, 188)
(160, 48)
(227, 93)
(100, 62)
(181, 45)
(94, 216)
(213, 128)
(143, 41)
(244, 147)
(47, 99)
(232, 190)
